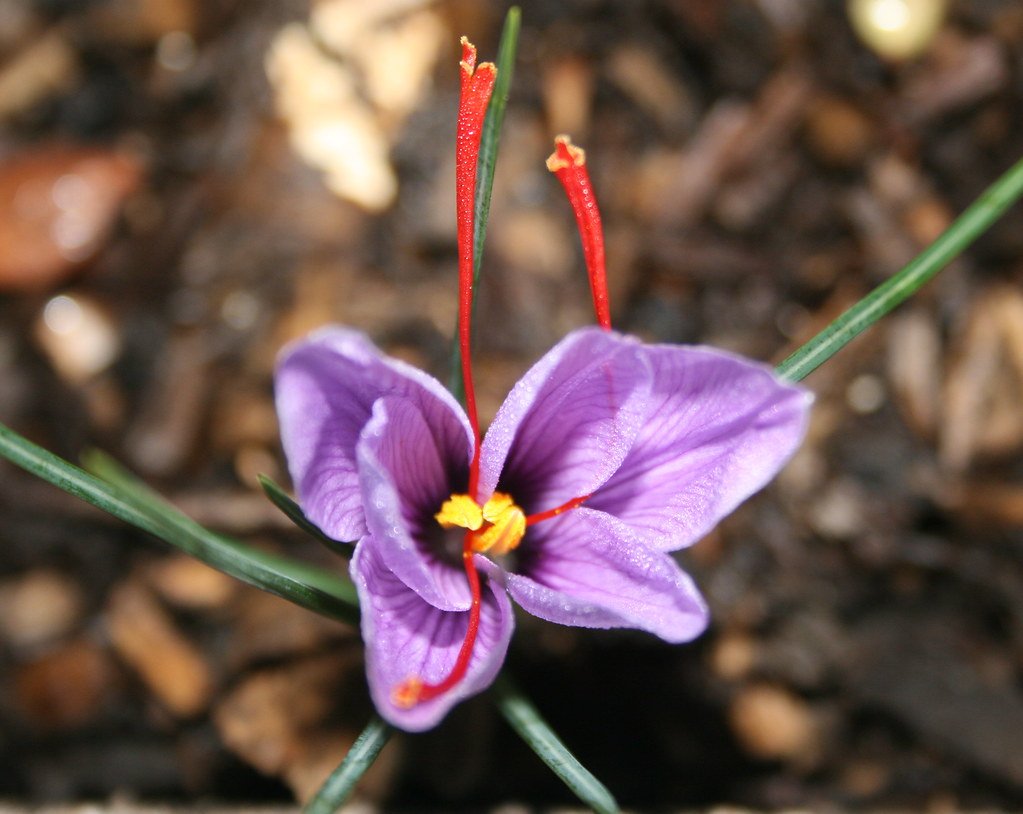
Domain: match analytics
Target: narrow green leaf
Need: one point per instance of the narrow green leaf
(491, 138)
(257, 567)
(489, 142)
(977, 219)
(282, 500)
(535, 731)
(127, 499)
(342, 780)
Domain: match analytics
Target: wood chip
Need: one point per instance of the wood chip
(145, 636)
(331, 127)
(652, 85)
(986, 503)
(46, 66)
(79, 336)
(838, 132)
(985, 383)
(959, 72)
(188, 583)
(915, 367)
(270, 628)
(66, 687)
(166, 427)
(772, 723)
(141, 22)
(732, 140)
(292, 721)
(568, 95)
(39, 606)
(676, 187)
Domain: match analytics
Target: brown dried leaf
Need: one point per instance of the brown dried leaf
(57, 207)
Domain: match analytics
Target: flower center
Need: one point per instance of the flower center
(496, 528)
(498, 524)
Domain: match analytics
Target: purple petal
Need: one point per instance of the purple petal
(405, 479)
(719, 428)
(569, 422)
(588, 569)
(325, 388)
(407, 637)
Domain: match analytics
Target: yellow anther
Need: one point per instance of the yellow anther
(461, 511)
(500, 523)
(496, 506)
(506, 526)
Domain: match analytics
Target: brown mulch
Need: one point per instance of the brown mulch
(759, 169)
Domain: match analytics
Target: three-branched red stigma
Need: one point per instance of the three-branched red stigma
(498, 525)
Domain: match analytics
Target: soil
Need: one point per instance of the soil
(759, 168)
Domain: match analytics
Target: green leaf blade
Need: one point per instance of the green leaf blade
(129, 500)
(491, 137)
(294, 513)
(535, 731)
(360, 757)
(972, 223)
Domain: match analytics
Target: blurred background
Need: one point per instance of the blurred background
(186, 185)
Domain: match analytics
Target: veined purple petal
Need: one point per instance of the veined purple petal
(719, 428)
(407, 637)
(405, 479)
(326, 386)
(569, 422)
(588, 569)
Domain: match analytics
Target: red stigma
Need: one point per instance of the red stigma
(476, 88)
(568, 163)
(414, 691)
(575, 502)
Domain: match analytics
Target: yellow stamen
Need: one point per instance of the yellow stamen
(500, 523)
(507, 525)
(461, 511)
(496, 506)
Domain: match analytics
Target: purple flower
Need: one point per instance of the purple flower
(656, 442)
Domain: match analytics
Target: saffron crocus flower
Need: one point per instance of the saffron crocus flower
(605, 457)
(662, 440)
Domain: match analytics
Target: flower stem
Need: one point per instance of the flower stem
(977, 219)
